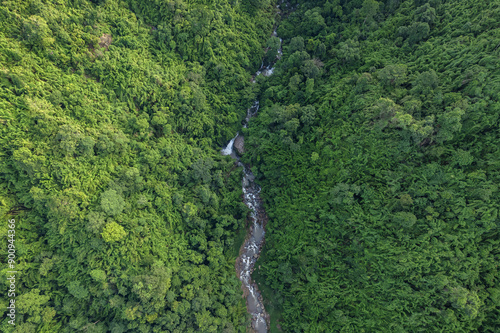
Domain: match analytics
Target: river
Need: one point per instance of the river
(250, 250)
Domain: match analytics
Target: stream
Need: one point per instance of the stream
(250, 250)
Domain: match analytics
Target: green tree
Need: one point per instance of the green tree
(393, 75)
(450, 123)
(348, 51)
(113, 232)
(98, 275)
(32, 304)
(96, 221)
(313, 22)
(369, 9)
(112, 203)
(272, 47)
(465, 301)
(415, 32)
(36, 32)
(296, 44)
(76, 289)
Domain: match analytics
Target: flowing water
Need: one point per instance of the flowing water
(250, 250)
(229, 148)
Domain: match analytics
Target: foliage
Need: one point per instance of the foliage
(380, 177)
(376, 145)
(112, 114)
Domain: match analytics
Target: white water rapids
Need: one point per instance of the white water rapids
(229, 148)
(250, 251)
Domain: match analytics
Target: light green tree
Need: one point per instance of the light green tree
(113, 232)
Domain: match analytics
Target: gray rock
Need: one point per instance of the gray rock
(239, 144)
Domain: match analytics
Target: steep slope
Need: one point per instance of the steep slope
(112, 115)
(377, 148)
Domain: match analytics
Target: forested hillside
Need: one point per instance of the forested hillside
(377, 145)
(112, 114)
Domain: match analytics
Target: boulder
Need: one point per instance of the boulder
(239, 144)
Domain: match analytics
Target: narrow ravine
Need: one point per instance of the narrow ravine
(254, 240)
(250, 250)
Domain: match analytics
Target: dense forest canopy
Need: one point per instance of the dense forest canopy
(111, 117)
(376, 144)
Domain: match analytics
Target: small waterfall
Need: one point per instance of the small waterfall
(252, 111)
(269, 70)
(229, 148)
